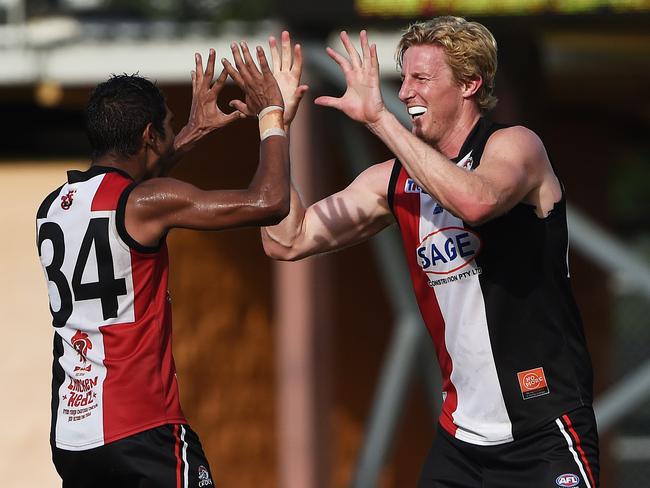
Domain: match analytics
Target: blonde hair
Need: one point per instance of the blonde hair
(470, 48)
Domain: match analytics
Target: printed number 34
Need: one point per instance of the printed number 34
(107, 288)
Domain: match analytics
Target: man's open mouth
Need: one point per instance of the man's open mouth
(416, 111)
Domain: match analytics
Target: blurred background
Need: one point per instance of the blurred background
(319, 373)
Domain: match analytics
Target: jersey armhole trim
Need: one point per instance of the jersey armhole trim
(44, 208)
(392, 183)
(120, 223)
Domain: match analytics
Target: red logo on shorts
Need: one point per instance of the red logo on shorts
(532, 383)
(66, 200)
(81, 343)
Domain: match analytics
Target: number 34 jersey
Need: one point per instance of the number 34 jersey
(113, 370)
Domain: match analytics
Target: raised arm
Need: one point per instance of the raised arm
(340, 220)
(514, 166)
(159, 204)
(343, 219)
(205, 114)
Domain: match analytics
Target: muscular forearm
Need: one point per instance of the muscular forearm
(463, 193)
(270, 186)
(278, 240)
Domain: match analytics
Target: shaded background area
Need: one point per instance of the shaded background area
(577, 77)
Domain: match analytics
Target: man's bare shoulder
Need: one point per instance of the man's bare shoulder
(157, 196)
(159, 188)
(517, 142)
(376, 177)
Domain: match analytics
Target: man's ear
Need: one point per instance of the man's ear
(472, 86)
(150, 137)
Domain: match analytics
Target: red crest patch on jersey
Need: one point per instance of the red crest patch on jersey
(66, 200)
(532, 383)
(81, 344)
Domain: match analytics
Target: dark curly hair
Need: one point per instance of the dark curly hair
(118, 111)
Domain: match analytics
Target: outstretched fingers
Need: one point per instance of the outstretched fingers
(241, 65)
(193, 76)
(241, 107)
(209, 68)
(198, 70)
(261, 58)
(339, 59)
(233, 73)
(297, 60)
(250, 64)
(328, 102)
(219, 83)
(365, 48)
(276, 61)
(374, 61)
(351, 50)
(286, 51)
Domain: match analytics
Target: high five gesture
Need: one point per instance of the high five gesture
(205, 114)
(287, 69)
(362, 99)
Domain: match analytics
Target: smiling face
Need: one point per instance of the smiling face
(433, 98)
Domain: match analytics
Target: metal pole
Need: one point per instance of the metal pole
(608, 252)
(623, 398)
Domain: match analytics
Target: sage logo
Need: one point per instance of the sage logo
(567, 480)
(447, 250)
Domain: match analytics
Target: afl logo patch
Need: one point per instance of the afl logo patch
(567, 480)
(204, 477)
(448, 250)
(532, 383)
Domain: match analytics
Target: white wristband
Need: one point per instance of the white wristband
(270, 108)
(273, 132)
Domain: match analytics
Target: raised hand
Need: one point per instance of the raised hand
(205, 114)
(260, 88)
(286, 66)
(362, 99)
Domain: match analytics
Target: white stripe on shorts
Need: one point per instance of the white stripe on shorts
(569, 441)
(187, 468)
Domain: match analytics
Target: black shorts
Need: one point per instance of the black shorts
(169, 456)
(561, 454)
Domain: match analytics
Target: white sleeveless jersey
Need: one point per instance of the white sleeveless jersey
(113, 371)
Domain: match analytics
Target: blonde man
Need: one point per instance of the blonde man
(483, 221)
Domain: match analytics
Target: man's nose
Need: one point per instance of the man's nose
(405, 92)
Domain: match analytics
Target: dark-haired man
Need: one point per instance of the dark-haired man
(116, 416)
(483, 221)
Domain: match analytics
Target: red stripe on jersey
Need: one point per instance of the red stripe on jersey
(578, 445)
(177, 453)
(407, 211)
(141, 389)
(109, 191)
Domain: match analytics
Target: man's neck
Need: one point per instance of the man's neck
(133, 166)
(451, 144)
